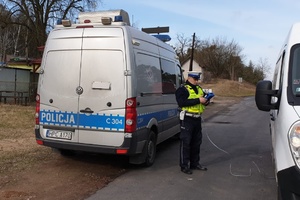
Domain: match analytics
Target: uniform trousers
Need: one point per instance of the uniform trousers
(190, 141)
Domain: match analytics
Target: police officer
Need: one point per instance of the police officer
(191, 101)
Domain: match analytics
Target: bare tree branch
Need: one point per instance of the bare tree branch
(39, 16)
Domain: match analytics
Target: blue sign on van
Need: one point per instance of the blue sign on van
(92, 121)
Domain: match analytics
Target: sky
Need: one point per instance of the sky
(259, 27)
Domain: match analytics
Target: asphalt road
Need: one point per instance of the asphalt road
(236, 149)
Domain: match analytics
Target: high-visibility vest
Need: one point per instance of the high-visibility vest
(196, 109)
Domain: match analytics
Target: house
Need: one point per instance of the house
(195, 67)
(18, 80)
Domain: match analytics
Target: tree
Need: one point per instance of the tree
(264, 66)
(209, 57)
(182, 46)
(8, 34)
(220, 57)
(254, 73)
(39, 16)
(235, 67)
(248, 72)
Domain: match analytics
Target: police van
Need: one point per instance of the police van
(281, 98)
(107, 87)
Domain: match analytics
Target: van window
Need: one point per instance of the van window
(278, 72)
(294, 76)
(148, 74)
(296, 71)
(179, 76)
(168, 73)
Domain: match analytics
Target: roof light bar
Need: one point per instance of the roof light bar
(95, 17)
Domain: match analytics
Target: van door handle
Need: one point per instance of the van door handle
(87, 110)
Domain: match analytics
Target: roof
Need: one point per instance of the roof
(19, 66)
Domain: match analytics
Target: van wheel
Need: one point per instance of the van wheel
(150, 149)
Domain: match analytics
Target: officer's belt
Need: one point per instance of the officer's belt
(193, 115)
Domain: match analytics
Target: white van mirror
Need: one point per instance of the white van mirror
(264, 94)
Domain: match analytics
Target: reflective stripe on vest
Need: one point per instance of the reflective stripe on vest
(199, 108)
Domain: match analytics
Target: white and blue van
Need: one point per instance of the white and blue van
(281, 98)
(107, 87)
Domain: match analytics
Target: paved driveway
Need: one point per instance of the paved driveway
(236, 150)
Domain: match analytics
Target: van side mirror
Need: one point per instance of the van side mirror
(263, 96)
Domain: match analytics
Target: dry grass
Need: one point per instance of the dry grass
(18, 149)
(227, 88)
(16, 121)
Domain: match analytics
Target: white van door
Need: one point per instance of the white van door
(59, 77)
(102, 87)
(83, 87)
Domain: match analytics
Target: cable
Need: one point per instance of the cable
(236, 175)
(256, 166)
(215, 144)
(273, 177)
(240, 175)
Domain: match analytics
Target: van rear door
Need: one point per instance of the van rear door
(83, 87)
(101, 104)
(59, 77)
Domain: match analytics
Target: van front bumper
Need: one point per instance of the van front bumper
(289, 183)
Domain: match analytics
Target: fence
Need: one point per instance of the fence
(22, 93)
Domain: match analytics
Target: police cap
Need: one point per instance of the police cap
(194, 74)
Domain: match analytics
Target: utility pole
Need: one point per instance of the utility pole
(192, 54)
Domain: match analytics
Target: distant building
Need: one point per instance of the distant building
(18, 79)
(196, 67)
(19, 63)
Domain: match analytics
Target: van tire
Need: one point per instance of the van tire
(150, 149)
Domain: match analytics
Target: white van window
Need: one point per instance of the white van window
(296, 71)
(168, 76)
(148, 74)
(293, 90)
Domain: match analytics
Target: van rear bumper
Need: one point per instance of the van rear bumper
(132, 146)
(289, 183)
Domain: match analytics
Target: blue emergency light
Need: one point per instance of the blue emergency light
(118, 18)
(59, 21)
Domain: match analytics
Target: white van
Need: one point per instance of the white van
(282, 98)
(107, 87)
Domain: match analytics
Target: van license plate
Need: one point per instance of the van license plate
(59, 134)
